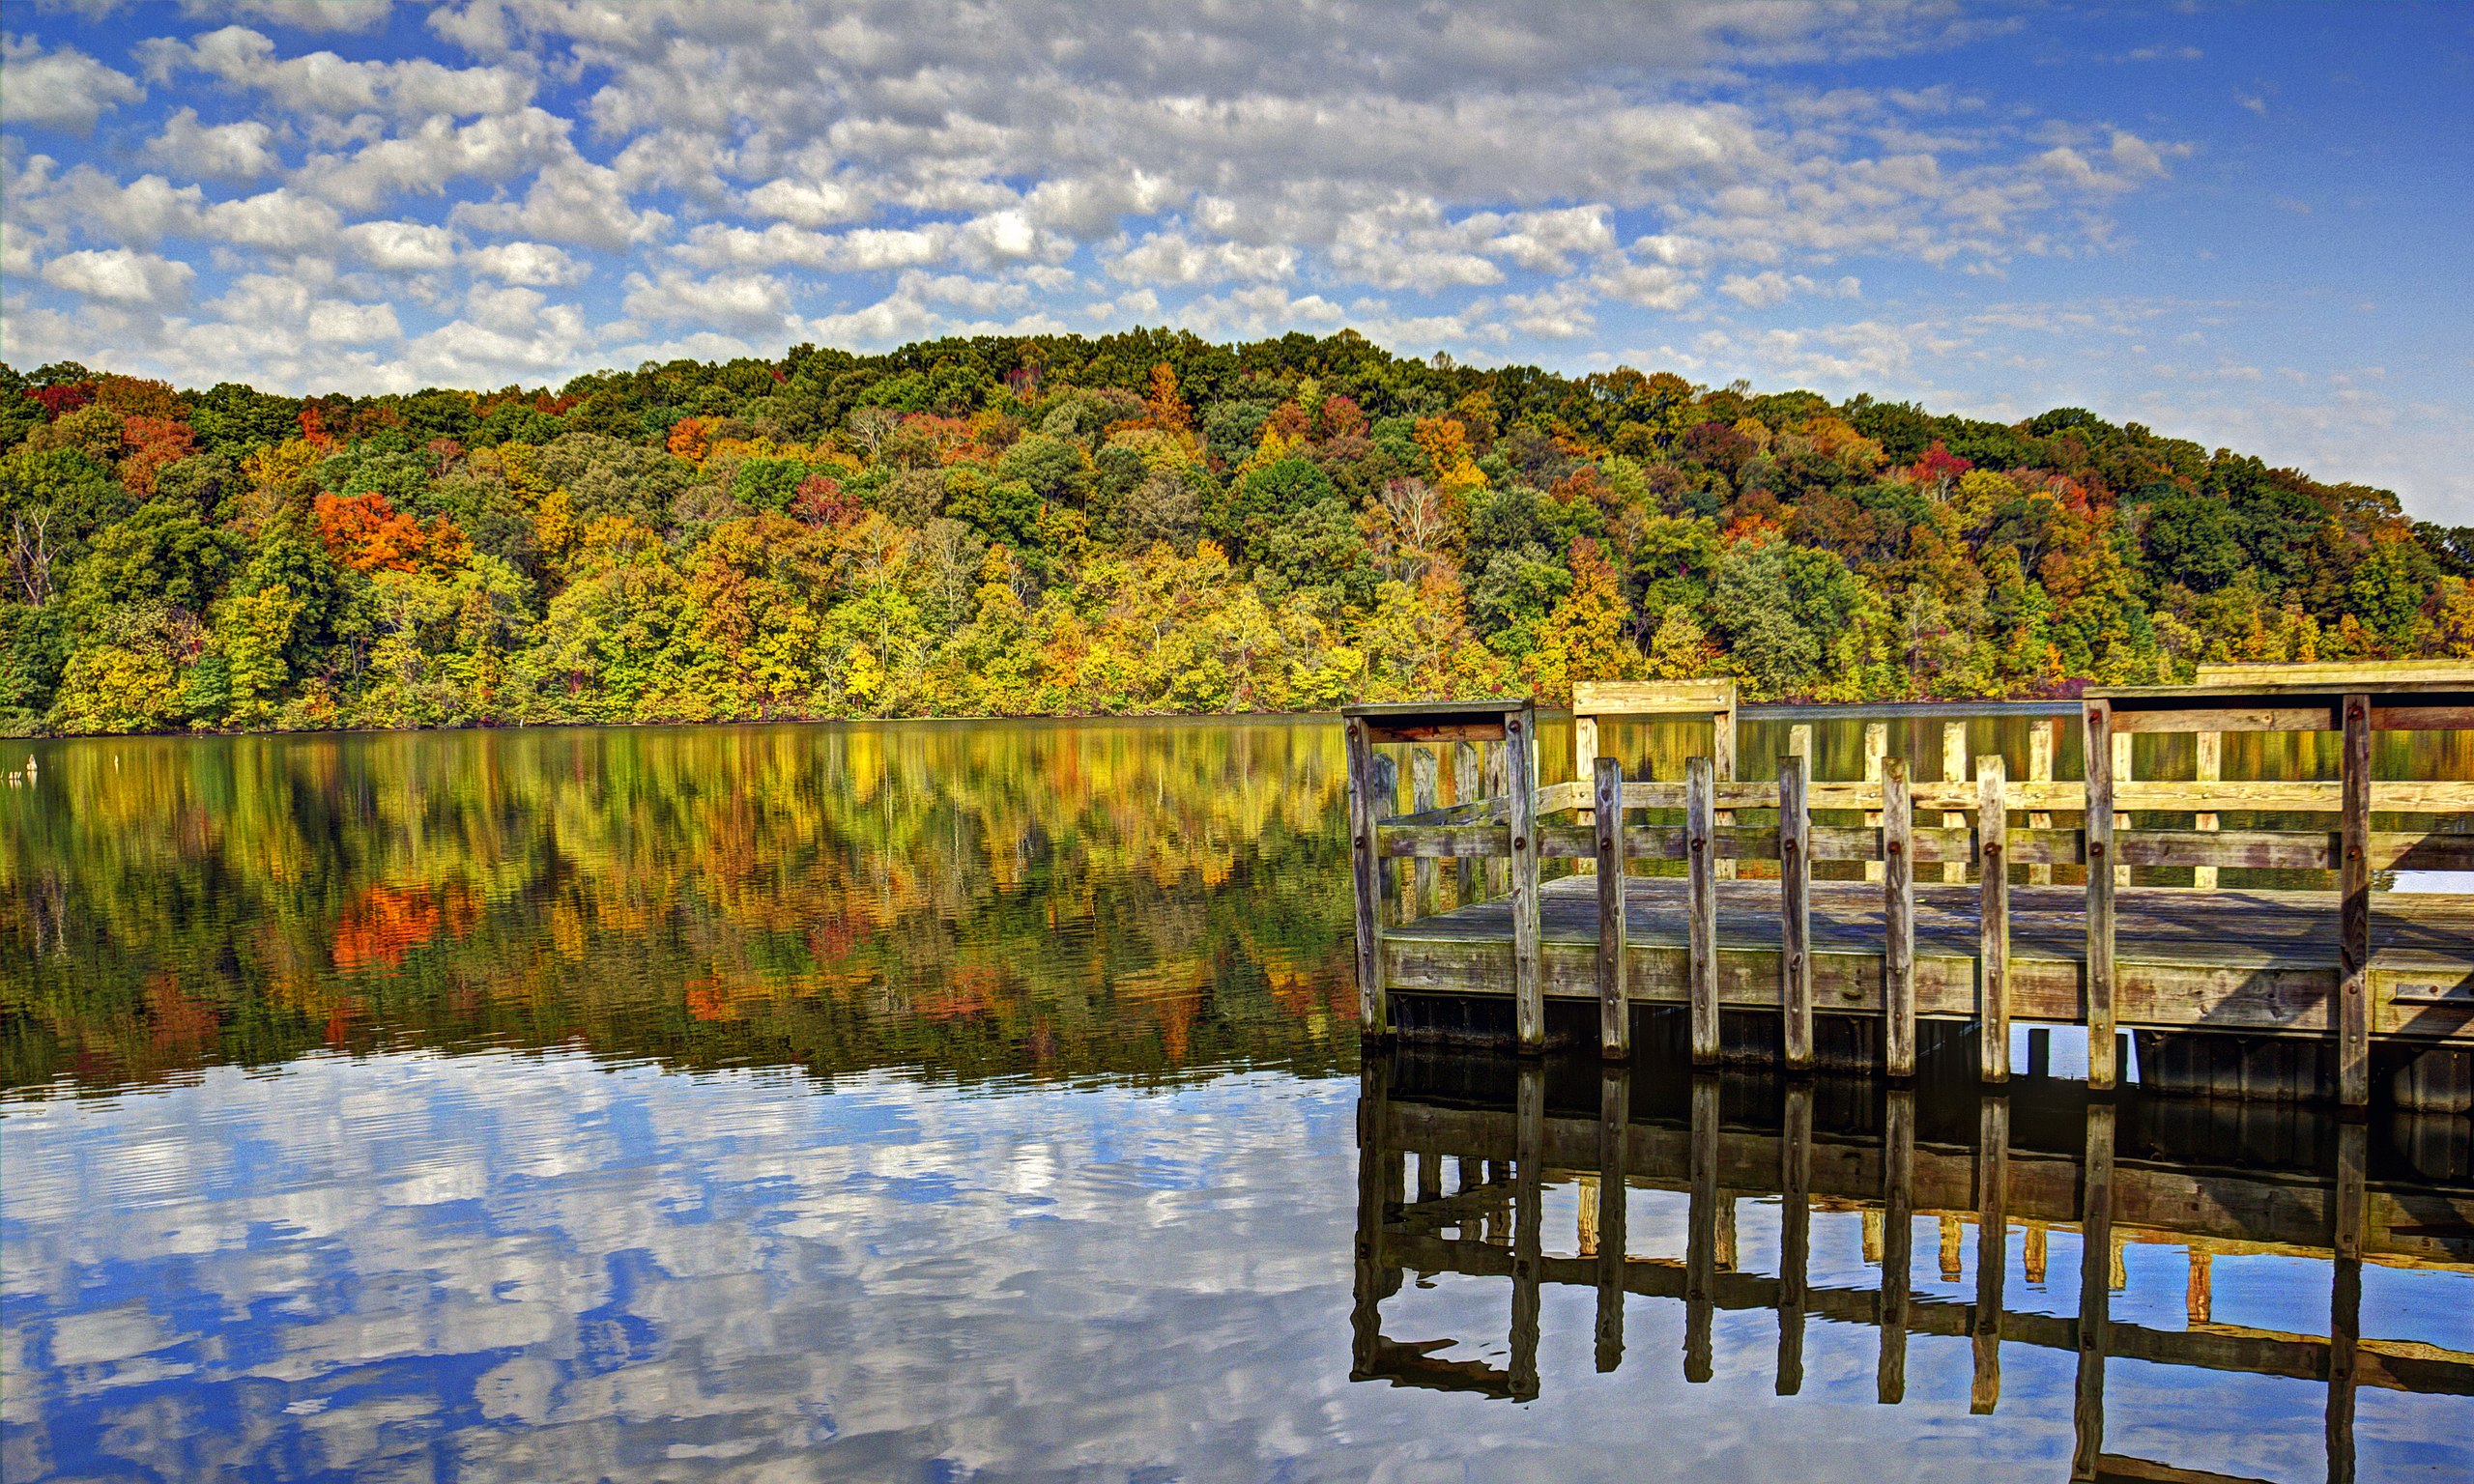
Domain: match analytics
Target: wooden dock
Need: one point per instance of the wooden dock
(1959, 917)
(1455, 1156)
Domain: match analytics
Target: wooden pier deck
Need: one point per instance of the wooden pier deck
(2226, 961)
(2002, 935)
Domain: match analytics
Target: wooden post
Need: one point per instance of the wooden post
(1876, 746)
(1795, 1242)
(1387, 803)
(1794, 911)
(1584, 758)
(2353, 952)
(2122, 775)
(1954, 770)
(1421, 788)
(1993, 937)
(1799, 741)
(1699, 796)
(2344, 1304)
(1614, 1121)
(1529, 1156)
(1528, 986)
(2096, 1287)
(1373, 1006)
(1722, 752)
(1991, 1246)
(1465, 789)
(2102, 1071)
(2211, 769)
(1614, 1008)
(1898, 900)
(1701, 1239)
(1898, 1237)
(1498, 787)
(2040, 745)
(2032, 1253)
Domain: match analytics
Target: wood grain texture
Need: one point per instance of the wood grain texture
(1529, 1001)
(2354, 991)
(1794, 911)
(2097, 718)
(2040, 751)
(1466, 789)
(1993, 915)
(1954, 771)
(1898, 909)
(1876, 746)
(1702, 910)
(1424, 772)
(1373, 1014)
(1614, 1008)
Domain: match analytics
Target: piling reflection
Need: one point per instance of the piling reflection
(1490, 1141)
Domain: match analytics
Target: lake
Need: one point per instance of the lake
(983, 1101)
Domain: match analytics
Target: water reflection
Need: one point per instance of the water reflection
(1460, 1158)
(1122, 899)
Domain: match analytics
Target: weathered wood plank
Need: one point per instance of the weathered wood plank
(2402, 796)
(1387, 801)
(1465, 794)
(2098, 718)
(1876, 746)
(2040, 748)
(1954, 771)
(1653, 697)
(1993, 938)
(1529, 997)
(1584, 760)
(2122, 756)
(1613, 1009)
(1499, 791)
(1373, 1009)
(1424, 768)
(2210, 769)
(2353, 993)
(1794, 911)
(1898, 898)
(1722, 754)
(1702, 911)
(2257, 719)
(2350, 672)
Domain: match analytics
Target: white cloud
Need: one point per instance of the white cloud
(1171, 257)
(1762, 289)
(574, 202)
(537, 264)
(61, 89)
(122, 277)
(338, 322)
(300, 14)
(278, 220)
(736, 301)
(401, 246)
(811, 203)
(222, 152)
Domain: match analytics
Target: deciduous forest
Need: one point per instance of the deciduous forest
(1135, 523)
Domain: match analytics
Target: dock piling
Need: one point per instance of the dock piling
(1466, 789)
(1991, 1247)
(1898, 1239)
(1954, 770)
(1796, 910)
(1876, 746)
(1528, 980)
(1992, 947)
(1699, 796)
(1795, 1238)
(1614, 1008)
(2102, 1068)
(1422, 769)
(2095, 1289)
(2354, 953)
(1898, 895)
(1374, 1015)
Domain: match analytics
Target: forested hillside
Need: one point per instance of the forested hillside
(1135, 523)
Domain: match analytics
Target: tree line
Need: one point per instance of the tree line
(1134, 523)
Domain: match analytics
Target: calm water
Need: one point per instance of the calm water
(951, 1101)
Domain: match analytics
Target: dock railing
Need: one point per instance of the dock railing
(1586, 819)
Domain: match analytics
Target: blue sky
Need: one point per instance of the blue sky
(2244, 225)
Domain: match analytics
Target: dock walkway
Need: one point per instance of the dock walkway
(1993, 939)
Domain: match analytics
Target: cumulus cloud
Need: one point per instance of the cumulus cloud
(224, 151)
(121, 276)
(63, 88)
(401, 246)
(534, 264)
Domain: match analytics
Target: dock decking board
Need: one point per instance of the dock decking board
(2230, 960)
